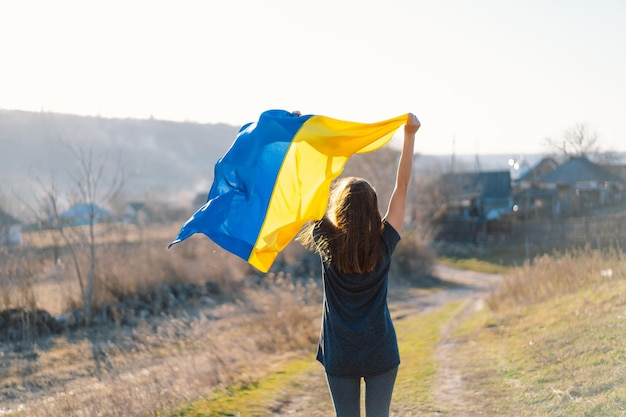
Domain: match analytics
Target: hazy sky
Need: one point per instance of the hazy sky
(483, 76)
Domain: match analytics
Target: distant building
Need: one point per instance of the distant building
(581, 184)
(536, 202)
(10, 230)
(484, 194)
(476, 205)
(530, 199)
(81, 214)
(550, 190)
(531, 177)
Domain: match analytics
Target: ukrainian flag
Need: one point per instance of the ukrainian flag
(276, 177)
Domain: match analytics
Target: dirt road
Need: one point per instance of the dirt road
(449, 383)
(311, 396)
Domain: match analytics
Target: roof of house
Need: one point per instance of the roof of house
(486, 185)
(84, 210)
(540, 169)
(579, 169)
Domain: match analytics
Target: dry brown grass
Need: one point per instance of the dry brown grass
(553, 342)
(162, 362)
(105, 233)
(156, 363)
(139, 371)
(558, 274)
(290, 304)
(18, 276)
(42, 274)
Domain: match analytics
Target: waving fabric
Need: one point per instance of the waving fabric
(276, 177)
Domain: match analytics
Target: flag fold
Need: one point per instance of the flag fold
(275, 177)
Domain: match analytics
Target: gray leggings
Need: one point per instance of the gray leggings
(346, 394)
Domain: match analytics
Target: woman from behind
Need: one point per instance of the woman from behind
(355, 243)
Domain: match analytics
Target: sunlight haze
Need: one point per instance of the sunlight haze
(482, 76)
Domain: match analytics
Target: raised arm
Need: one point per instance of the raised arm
(397, 203)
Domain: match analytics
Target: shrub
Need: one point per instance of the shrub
(413, 263)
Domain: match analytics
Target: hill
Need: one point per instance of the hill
(160, 156)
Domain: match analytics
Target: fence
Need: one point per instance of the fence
(596, 231)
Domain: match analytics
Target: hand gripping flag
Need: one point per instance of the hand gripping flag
(275, 177)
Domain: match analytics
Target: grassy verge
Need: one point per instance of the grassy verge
(252, 399)
(560, 357)
(418, 337)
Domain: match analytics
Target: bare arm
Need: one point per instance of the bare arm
(397, 203)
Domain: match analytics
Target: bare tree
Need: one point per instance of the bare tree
(88, 178)
(93, 184)
(50, 217)
(578, 141)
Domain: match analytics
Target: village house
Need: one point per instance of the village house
(81, 214)
(577, 185)
(530, 200)
(491, 206)
(476, 205)
(530, 178)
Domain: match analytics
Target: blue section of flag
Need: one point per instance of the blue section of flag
(243, 184)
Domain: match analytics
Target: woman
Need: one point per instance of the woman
(358, 339)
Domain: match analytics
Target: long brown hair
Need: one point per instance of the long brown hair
(349, 234)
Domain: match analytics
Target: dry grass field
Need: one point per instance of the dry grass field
(558, 354)
(553, 342)
(105, 234)
(155, 362)
(547, 340)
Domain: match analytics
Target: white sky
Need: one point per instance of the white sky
(489, 76)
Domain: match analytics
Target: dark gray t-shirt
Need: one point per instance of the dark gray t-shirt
(358, 338)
